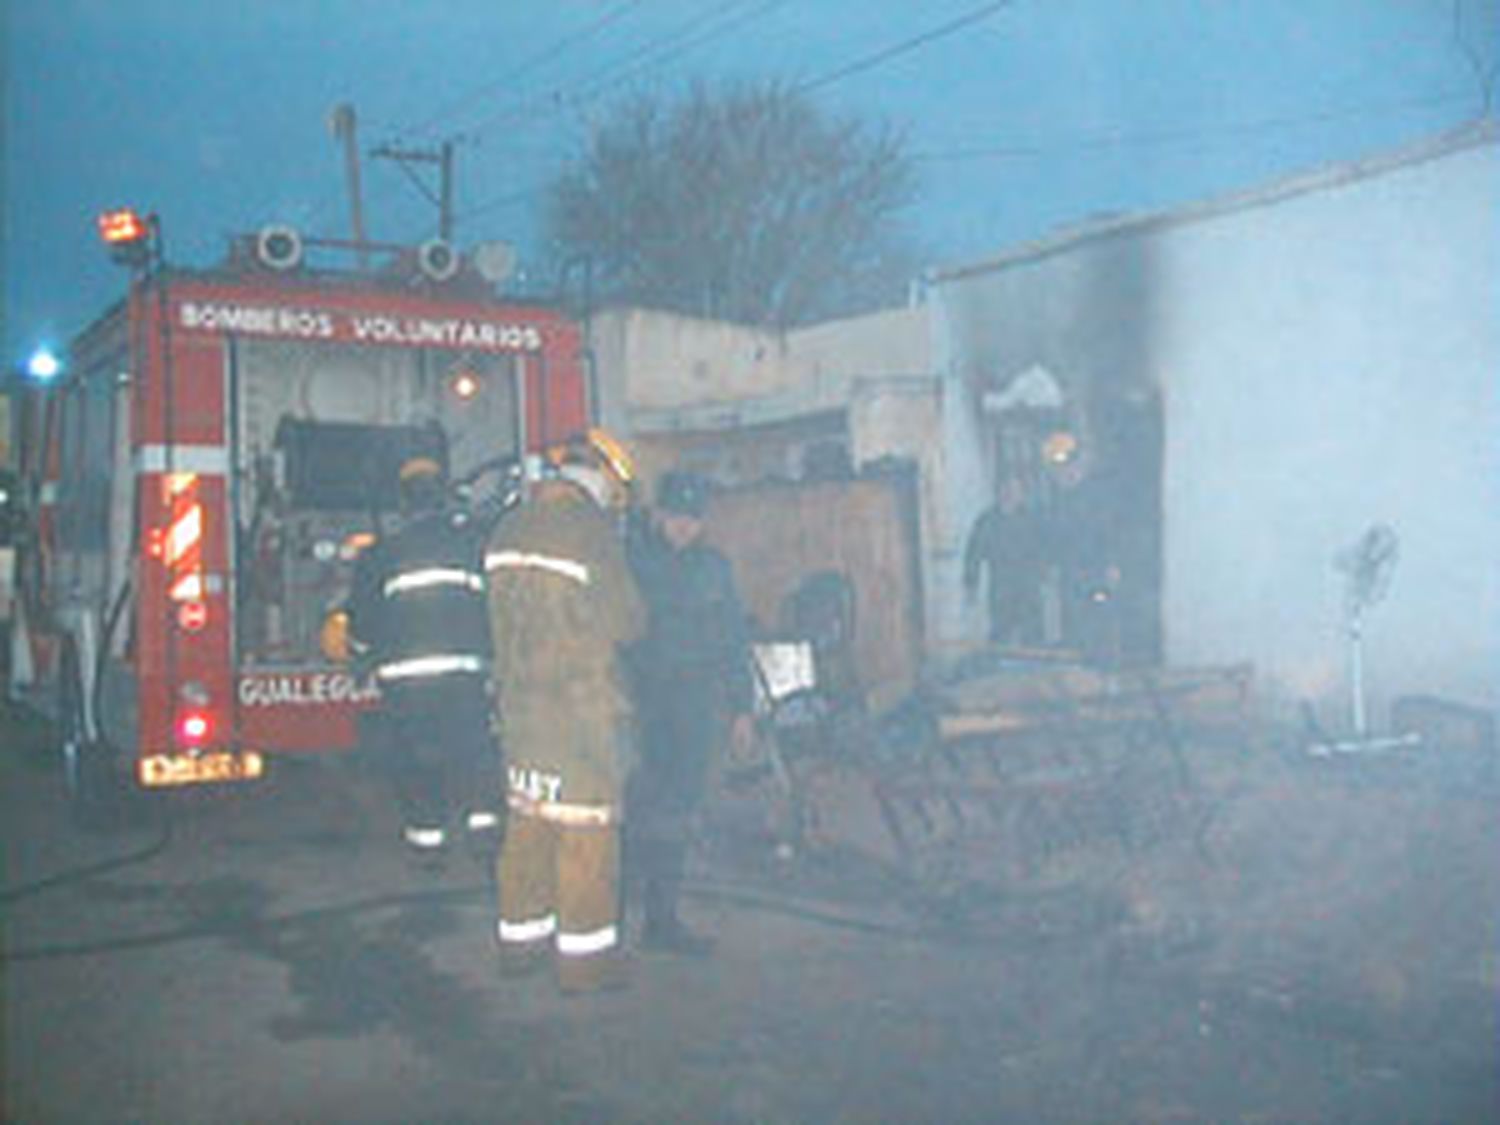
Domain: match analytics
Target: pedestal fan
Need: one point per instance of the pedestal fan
(1367, 566)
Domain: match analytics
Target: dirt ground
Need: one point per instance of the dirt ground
(1324, 949)
(1324, 945)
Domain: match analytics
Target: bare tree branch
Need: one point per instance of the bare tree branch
(742, 202)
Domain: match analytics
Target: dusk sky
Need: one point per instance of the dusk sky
(1023, 117)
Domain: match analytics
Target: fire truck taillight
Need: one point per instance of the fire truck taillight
(192, 616)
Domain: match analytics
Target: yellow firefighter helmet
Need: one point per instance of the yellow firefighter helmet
(598, 462)
(612, 452)
(419, 466)
(1060, 447)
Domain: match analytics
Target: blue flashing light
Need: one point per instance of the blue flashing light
(43, 366)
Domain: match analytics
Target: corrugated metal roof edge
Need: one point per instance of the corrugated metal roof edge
(1474, 134)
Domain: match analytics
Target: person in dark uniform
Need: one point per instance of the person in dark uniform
(1083, 534)
(417, 617)
(693, 682)
(1006, 540)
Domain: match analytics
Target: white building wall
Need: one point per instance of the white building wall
(1330, 361)
(1329, 354)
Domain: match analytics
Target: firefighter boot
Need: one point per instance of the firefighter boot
(671, 936)
(426, 847)
(483, 831)
(523, 961)
(584, 976)
(662, 930)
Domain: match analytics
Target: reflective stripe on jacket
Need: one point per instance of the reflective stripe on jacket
(419, 599)
(562, 602)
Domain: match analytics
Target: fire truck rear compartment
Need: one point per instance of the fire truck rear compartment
(321, 433)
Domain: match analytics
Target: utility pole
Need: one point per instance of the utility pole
(342, 122)
(442, 156)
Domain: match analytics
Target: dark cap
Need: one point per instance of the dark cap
(682, 493)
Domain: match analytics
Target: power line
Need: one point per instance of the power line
(654, 53)
(869, 62)
(689, 35)
(682, 41)
(759, 11)
(1167, 137)
(500, 202)
(562, 45)
(1484, 75)
(557, 48)
(667, 49)
(1103, 141)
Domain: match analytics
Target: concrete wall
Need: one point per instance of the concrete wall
(1329, 355)
(655, 361)
(745, 404)
(903, 419)
(669, 380)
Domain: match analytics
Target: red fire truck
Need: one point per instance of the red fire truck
(221, 445)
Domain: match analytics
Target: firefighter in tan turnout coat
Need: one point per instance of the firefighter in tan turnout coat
(562, 602)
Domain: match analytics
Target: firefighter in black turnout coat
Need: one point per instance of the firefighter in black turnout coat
(693, 680)
(417, 617)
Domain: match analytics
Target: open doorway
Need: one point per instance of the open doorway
(1074, 519)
